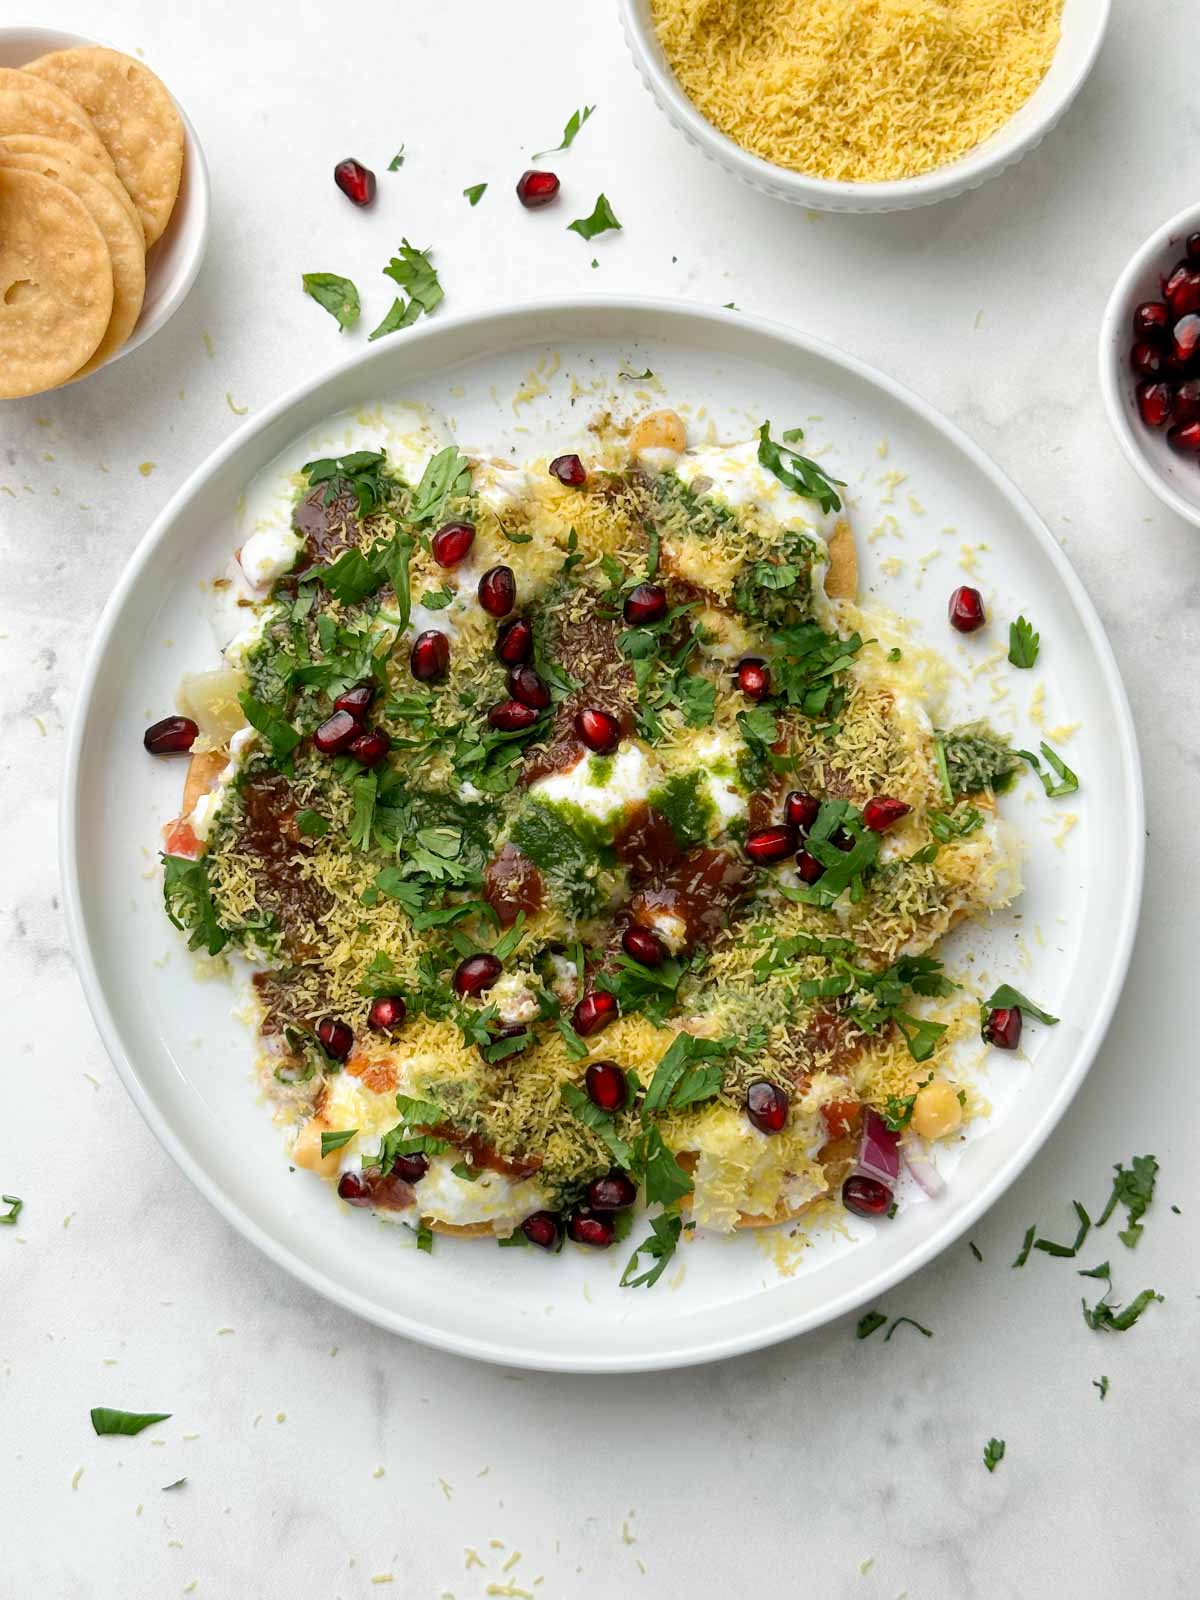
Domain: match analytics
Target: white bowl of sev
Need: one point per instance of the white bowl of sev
(864, 105)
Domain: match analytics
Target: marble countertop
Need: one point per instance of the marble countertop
(323, 1457)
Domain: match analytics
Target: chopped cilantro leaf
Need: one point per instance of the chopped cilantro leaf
(129, 1423)
(446, 478)
(425, 1238)
(474, 193)
(666, 1181)
(360, 473)
(993, 1454)
(189, 903)
(15, 1206)
(312, 824)
(272, 724)
(574, 122)
(659, 1247)
(975, 1250)
(1106, 1318)
(928, 1332)
(677, 1081)
(1067, 782)
(1101, 1383)
(1023, 643)
(335, 1141)
(1133, 1187)
(414, 272)
(868, 1324)
(600, 1122)
(796, 472)
(1052, 1249)
(1027, 1245)
(602, 220)
(1005, 996)
(336, 295)
(397, 160)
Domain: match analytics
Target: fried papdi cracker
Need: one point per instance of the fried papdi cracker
(98, 167)
(122, 234)
(34, 111)
(134, 116)
(56, 283)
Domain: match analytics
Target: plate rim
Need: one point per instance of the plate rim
(772, 1329)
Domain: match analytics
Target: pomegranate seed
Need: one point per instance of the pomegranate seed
(1185, 338)
(753, 678)
(966, 609)
(412, 1168)
(587, 1229)
(1003, 1027)
(541, 1229)
(1157, 404)
(450, 543)
(525, 685)
(336, 1037)
(594, 1011)
(355, 181)
(536, 189)
(1185, 438)
(1184, 404)
(354, 1188)
(498, 591)
(643, 946)
(569, 470)
(510, 716)
(808, 867)
(430, 657)
(1182, 289)
(1193, 246)
(646, 603)
(356, 701)
(881, 811)
(476, 975)
(599, 730)
(866, 1197)
(514, 641)
(513, 1030)
(173, 736)
(370, 747)
(387, 1013)
(765, 846)
(1146, 359)
(611, 1193)
(800, 810)
(766, 1106)
(1151, 320)
(606, 1085)
(336, 732)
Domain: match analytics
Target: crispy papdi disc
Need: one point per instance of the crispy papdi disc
(56, 283)
(99, 167)
(122, 234)
(134, 116)
(35, 111)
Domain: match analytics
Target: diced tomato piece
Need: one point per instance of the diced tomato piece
(840, 1117)
(179, 839)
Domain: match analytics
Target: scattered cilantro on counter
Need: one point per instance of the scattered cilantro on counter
(1101, 1383)
(336, 295)
(993, 1454)
(475, 192)
(415, 274)
(868, 1324)
(975, 1250)
(897, 1321)
(15, 1205)
(105, 1421)
(602, 220)
(574, 122)
(1068, 1250)
(1023, 643)
(1106, 1318)
(1133, 1187)
(1026, 1246)
(397, 160)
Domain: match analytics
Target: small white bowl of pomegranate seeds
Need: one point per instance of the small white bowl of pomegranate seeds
(1150, 363)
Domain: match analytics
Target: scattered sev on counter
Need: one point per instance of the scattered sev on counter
(863, 91)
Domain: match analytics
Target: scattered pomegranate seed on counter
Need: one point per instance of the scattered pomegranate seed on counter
(595, 1011)
(476, 975)
(354, 1189)
(613, 1192)
(1003, 1027)
(808, 867)
(525, 685)
(606, 1085)
(643, 945)
(1151, 320)
(966, 609)
(430, 656)
(355, 181)
(412, 1168)
(881, 811)
(646, 603)
(173, 736)
(569, 470)
(369, 747)
(498, 591)
(336, 732)
(1156, 404)
(335, 1037)
(599, 730)
(585, 1228)
(765, 846)
(541, 1229)
(387, 1013)
(450, 543)
(767, 1106)
(536, 189)
(511, 716)
(800, 810)
(514, 641)
(356, 701)
(866, 1197)
(753, 678)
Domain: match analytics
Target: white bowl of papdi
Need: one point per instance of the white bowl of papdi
(104, 207)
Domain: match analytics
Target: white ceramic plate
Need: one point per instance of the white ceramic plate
(187, 1064)
(172, 261)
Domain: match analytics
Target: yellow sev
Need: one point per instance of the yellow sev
(862, 91)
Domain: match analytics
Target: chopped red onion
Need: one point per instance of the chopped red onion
(878, 1150)
(916, 1159)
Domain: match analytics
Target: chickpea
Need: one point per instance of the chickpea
(937, 1110)
(306, 1151)
(658, 430)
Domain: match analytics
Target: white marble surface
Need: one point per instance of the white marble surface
(774, 1475)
